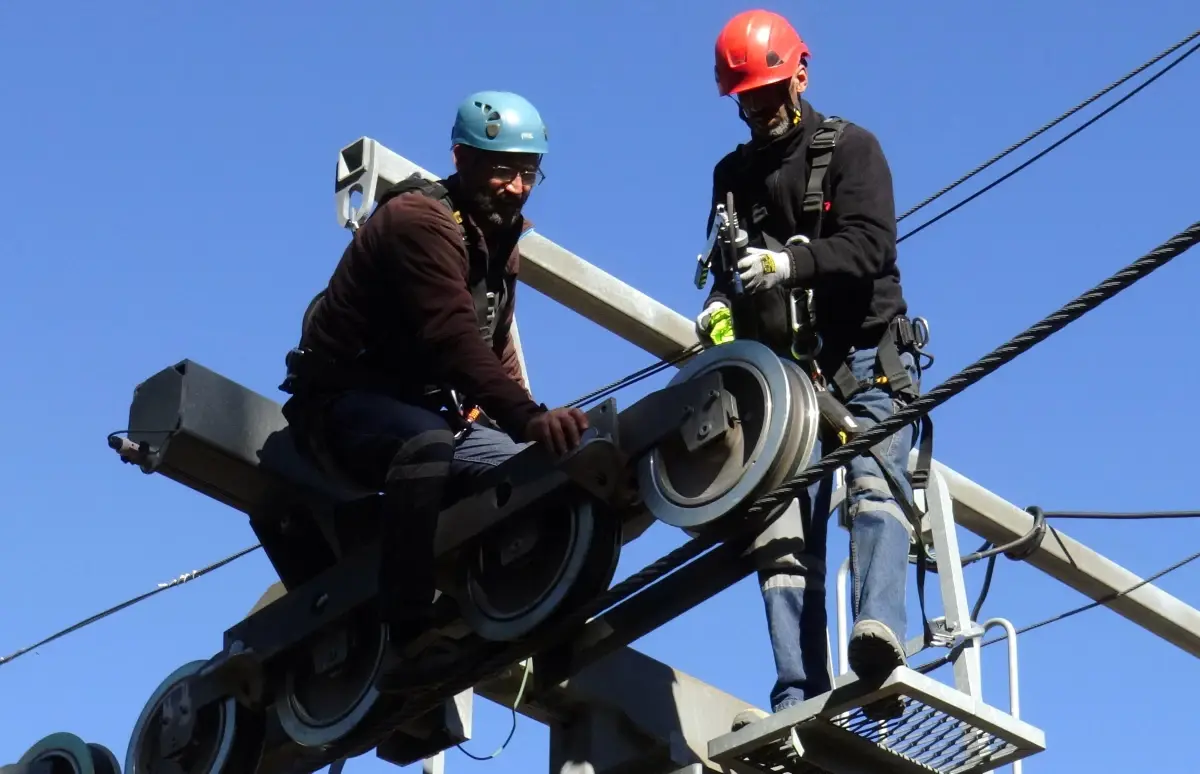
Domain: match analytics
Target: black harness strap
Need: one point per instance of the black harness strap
(820, 155)
(485, 300)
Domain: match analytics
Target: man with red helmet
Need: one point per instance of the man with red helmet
(818, 283)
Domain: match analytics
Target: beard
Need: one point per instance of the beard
(498, 211)
(769, 127)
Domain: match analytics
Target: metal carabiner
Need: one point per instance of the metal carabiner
(920, 332)
(803, 329)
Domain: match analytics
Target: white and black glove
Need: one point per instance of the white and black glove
(764, 269)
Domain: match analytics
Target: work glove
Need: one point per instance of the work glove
(764, 269)
(715, 323)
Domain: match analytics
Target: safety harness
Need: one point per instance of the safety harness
(902, 335)
(308, 368)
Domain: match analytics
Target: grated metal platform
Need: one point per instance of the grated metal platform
(940, 730)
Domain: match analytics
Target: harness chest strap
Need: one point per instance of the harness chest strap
(486, 302)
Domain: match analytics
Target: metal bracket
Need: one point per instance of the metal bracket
(708, 421)
(357, 172)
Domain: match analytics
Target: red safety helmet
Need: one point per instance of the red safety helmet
(756, 48)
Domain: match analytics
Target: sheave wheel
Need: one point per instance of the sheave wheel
(225, 739)
(771, 437)
(521, 573)
(330, 686)
(68, 754)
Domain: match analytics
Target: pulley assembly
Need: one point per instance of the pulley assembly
(520, 574)
(765, 434)
(537, 539)
(221, 737)
(63, 753)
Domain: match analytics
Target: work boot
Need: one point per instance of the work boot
(746, 717)
(874, 652)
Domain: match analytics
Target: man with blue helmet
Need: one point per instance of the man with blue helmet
(407, 379)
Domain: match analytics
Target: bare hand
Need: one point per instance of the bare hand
(559, 429)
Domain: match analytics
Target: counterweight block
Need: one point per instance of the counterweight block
(765, 433)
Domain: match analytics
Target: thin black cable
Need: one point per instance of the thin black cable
(987, 586)
(182, 579)
(1043, 153)
(929, 666)
(661, 365)
(746, 522)
(1123, 516)
(637, 376)
(1033, 136)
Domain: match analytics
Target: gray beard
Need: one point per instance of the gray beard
(486, 208)
(778, 130)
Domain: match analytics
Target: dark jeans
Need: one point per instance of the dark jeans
(410, 454)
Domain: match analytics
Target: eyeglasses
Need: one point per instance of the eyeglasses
(506, 174)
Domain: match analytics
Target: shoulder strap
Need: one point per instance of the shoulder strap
(820, 154)
(485, 300)
(431, 188)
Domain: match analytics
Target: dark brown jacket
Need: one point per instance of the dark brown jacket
(399, 302)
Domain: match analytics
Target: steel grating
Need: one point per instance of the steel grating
(940, 730)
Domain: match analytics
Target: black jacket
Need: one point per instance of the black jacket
(850, 265)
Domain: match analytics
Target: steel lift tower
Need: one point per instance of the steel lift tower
(291, 689)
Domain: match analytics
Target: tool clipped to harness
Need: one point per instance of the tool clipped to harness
(727, 243)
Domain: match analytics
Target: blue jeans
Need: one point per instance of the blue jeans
(879, 547)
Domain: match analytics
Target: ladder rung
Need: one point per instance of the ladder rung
(941, 730)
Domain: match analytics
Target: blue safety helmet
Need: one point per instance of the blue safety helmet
(499, 121)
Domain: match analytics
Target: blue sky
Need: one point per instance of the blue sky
(169, 196)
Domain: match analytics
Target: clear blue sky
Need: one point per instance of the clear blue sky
(168, 195)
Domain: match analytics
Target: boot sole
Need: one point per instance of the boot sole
(872, 658)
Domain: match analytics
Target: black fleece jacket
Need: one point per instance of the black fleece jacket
(850, 265)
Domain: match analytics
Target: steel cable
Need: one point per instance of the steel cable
(752, 520)
(1043, 153)
(1039, 132)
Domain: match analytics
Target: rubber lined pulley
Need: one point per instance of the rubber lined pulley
(225, 737)
(330, 685)
(68, 754)
(550, 558)
(770, 436)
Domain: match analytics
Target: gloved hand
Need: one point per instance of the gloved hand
(715, 324)
(763, 269)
